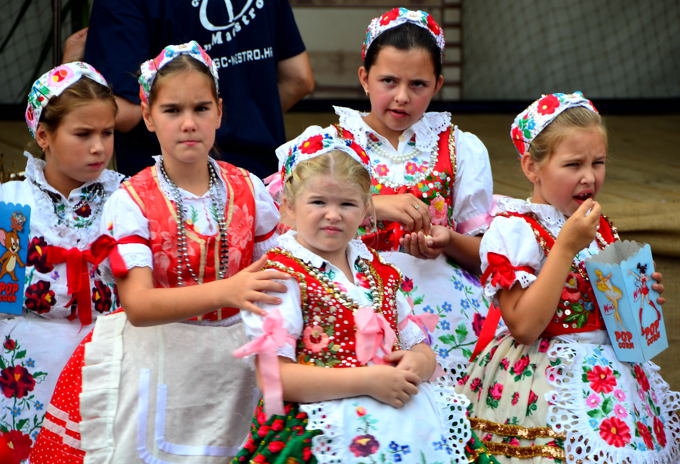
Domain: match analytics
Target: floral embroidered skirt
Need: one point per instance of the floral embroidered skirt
(569, 400)
(431, 428)
(439, 286)
(34, 351)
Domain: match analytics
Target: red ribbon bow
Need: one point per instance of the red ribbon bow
(78, 270)
(501, 271)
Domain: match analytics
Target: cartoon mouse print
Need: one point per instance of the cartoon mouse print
(10, 259)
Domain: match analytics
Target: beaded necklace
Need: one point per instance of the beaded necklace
(217, 207)
(329, 285)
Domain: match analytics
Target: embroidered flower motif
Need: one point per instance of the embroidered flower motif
(438, 210)
(641, 377)
(16, 381)
(381, 169)
(615, 432)
(314, 338)
(36, 256)
(39, 297)
(601, 379)
(645, 434)
(84, 210)
(364, 445)
(659, 432)
(407, 285)
(101, 297)
(19, 443)
(548, 104)
(593, 400)
(620, 411)
(477, 323)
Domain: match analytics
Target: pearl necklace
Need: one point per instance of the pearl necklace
(377, 146)
(424, 170)
(183, 261)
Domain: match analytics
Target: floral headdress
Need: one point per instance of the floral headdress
(149, 69)
(398, 16)
(530, 122)
(52, 84)
(313, 142)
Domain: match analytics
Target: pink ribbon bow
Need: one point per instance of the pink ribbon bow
(375, 338)
(266, 346)
(426, 322)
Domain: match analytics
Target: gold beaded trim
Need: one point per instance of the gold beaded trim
(509, 430)
(525, 433)
(525, 452)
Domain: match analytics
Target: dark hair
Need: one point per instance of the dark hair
(182, 63)
(77, 94)
(405, 37)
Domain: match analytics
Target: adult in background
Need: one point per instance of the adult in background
(257, 48)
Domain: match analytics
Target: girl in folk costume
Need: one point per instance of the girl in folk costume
(70, 114)
(157, 382)
(550, 389)
(431, 182)
(342, 364)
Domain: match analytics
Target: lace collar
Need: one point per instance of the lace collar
(426, 129)
(35, 172)
(548, 215)
(288, 242)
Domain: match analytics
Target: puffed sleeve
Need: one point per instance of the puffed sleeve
(266, 219)
(509, 253)
(473, 189)
(121, 218)
(291, 313)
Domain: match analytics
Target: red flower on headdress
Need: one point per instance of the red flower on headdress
(548, 104)
(60, 75)
(433, 26)
(518, 139)
(389, 16)
(312, 144)
(361, 152)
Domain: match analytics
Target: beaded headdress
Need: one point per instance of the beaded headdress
(530, 122)
(313, 142)
(52, 84)
(397, 16)
(150, 68)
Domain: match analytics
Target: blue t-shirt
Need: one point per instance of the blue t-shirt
(245, 38)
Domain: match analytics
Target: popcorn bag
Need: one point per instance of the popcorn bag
(13, 250)
(621, 279)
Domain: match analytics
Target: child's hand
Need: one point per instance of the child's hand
(420, 362)
(253, 284)
(391, 385)
(426, 246)
(405, 209)
(580, 228)
(658, 286)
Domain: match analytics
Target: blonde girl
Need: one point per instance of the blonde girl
(344, 368)
(549, 388)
